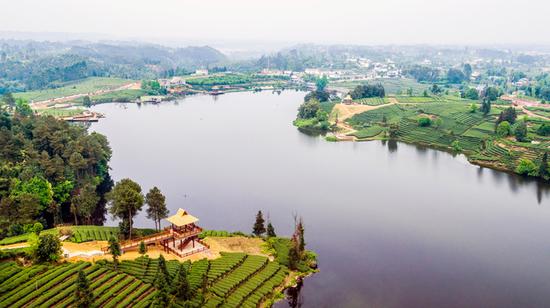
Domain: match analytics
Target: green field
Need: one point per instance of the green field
(122, 96)
(392, 86)
(79, 234)
(87, 85)
(373, 101)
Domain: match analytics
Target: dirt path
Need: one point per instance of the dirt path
(532, 114)
(345, 112)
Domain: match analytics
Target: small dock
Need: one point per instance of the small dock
(86, 117)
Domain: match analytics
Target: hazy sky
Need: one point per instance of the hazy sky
(334, 21)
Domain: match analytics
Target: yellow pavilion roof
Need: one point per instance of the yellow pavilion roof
(182, 218)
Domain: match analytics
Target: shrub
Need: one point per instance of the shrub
(544, 129)
(48, 248)
(520, 131)
(424, 121)
(526, 167)
(503, 129)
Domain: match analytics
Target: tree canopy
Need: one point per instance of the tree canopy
(156, 206)
(126, 201)
(45, 164)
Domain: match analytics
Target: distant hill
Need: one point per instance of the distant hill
(30, 65)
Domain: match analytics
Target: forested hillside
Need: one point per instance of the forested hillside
(50, 172)
(30, 65)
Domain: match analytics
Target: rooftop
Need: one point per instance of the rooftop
(182, 218)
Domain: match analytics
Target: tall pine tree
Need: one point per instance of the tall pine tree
(270, 230)
(543, 168)
(181, 284)
(83, 295)
(259, 225)
(114, 250)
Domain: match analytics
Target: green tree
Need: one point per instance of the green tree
(473, 108)
(23, 108)
(9, 100)
(424, 121)
(142, 248)
(293, 253)
(301, 239)
(321, 83)
(114, 250)
(126, 201)
(456, 146)
(544, 130)
(410, 91)
(156, 206)
(485, 106)
(520, 131)
(37, 228)
(86, 101)
(467, 68)
(86, 200)
(309, 109)
(37, 187)
(83, 296)
(472, 94)
(181, 284)
(455, 76)
(508, 114)
(503, 129)
(491, 93)
(526, 167)
(259, 227)
(435, 89)
(270, 230)
(543, 168)
(48, 248)
(162, 298)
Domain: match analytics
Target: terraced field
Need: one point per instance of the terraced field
(373, 101)
(234, 280)
(454, 127)
(53, 286)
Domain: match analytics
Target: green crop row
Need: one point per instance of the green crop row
(113, 290)
(247, 288)
(251, 265)
(43, 288)
(135, 295)
(61, 286)
(267, 288)
(123, 294)
(223, 265)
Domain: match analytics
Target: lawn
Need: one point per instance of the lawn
(87, 85)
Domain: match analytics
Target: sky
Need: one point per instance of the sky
(471, 22)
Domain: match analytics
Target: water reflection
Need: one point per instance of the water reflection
(293, 295)
(392, 146)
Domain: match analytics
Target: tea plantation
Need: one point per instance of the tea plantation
(233, 280)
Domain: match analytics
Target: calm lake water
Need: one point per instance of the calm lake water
(394, 225)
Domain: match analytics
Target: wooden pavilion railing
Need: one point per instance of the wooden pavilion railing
(166, 234)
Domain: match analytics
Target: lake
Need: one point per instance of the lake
(394, 225)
